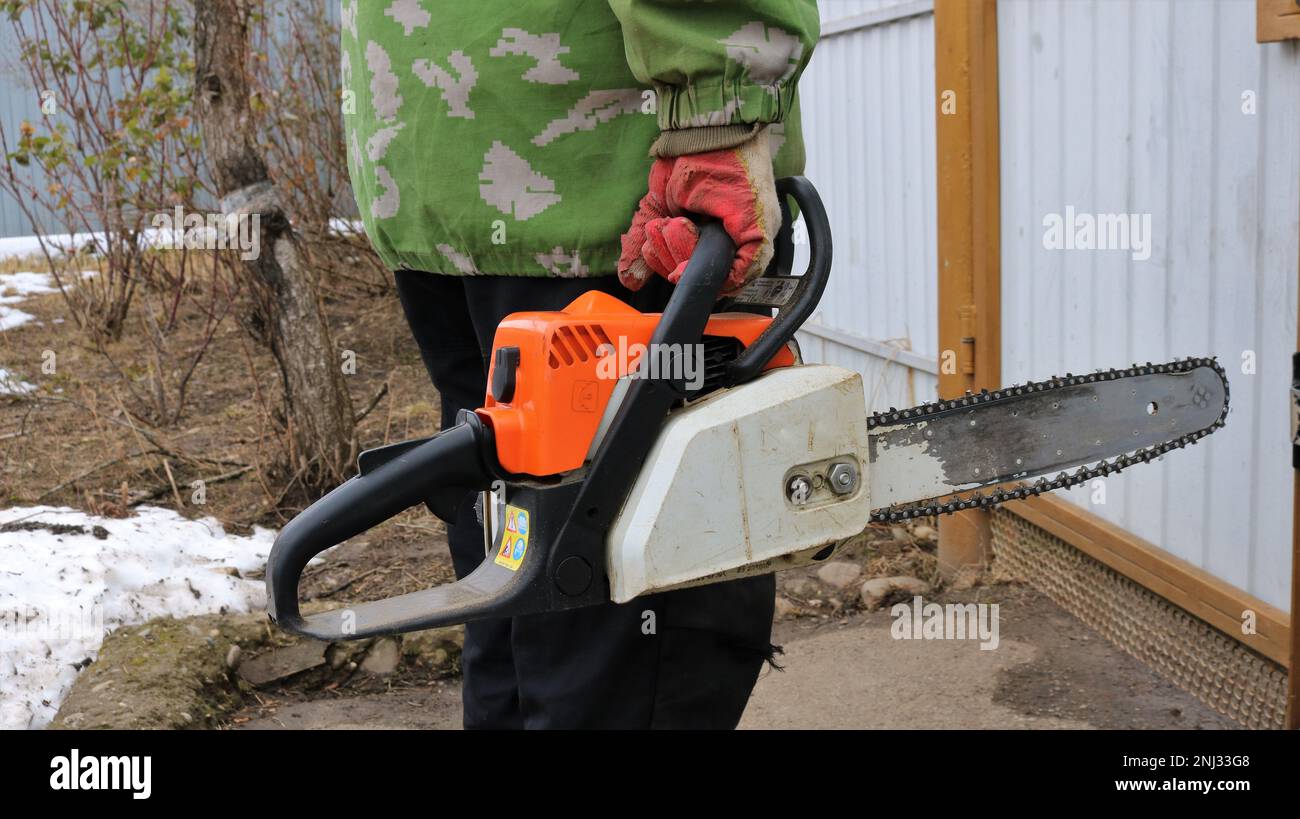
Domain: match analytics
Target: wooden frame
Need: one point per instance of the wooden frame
(1189, 587)
(1277, 20)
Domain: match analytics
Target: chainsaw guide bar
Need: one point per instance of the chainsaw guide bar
(964, 441)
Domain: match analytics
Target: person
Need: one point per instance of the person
(511, 156)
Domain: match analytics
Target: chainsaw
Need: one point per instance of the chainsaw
(711, 452)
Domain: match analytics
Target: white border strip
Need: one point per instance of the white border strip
(880, 17)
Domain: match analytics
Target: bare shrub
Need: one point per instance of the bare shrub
(115, 147)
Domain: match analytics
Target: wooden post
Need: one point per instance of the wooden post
(969, 214)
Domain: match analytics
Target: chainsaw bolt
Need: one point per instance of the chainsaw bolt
(844, 478)
(798, 490)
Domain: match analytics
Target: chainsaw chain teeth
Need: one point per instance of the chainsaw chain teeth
(985, 500)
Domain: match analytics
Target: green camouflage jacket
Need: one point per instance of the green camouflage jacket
(510, 137)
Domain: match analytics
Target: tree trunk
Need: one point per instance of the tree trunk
(291, 320)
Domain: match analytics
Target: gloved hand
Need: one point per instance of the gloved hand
(721, 172)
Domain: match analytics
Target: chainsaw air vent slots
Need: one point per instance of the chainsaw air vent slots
(608, 485)
(576, 343)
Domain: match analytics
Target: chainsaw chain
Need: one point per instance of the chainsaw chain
(1064, 480)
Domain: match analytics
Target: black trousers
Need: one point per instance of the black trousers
(679, 659)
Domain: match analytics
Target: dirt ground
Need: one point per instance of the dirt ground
(841, 668)
(1049, 672)
(80, 441)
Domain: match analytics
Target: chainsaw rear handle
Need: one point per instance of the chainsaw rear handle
(462, 460)
(794, 297)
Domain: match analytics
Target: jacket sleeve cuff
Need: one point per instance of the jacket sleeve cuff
(701, 140)
(723, 102)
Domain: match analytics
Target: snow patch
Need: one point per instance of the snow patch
(68, 578)
(65, 244)
(11, 384)
(20, 247)
(11, 317)
(14, 289)
(18, 286)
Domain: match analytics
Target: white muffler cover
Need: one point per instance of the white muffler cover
(722, 493)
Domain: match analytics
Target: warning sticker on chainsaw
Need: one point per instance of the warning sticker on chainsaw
(514, 539)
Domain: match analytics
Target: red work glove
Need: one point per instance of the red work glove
(732, 184)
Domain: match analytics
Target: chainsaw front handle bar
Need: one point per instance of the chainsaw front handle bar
(563, 563)
(392, 480)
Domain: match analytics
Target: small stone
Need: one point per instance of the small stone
(233, 657)
(232, 571)
(839, 574)
(968, 577)
(186, 718)
(924, 532)
(279, 663)
(382, 657)
(889, 548)
(785, 608)
(337, 656)
(881, 590)
(801, 587)
(435, 649)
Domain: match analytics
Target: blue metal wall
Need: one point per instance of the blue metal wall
(18, 102)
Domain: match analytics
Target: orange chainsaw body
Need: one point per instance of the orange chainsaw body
(566, 364)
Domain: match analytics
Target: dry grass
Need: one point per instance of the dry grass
(75, 440)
